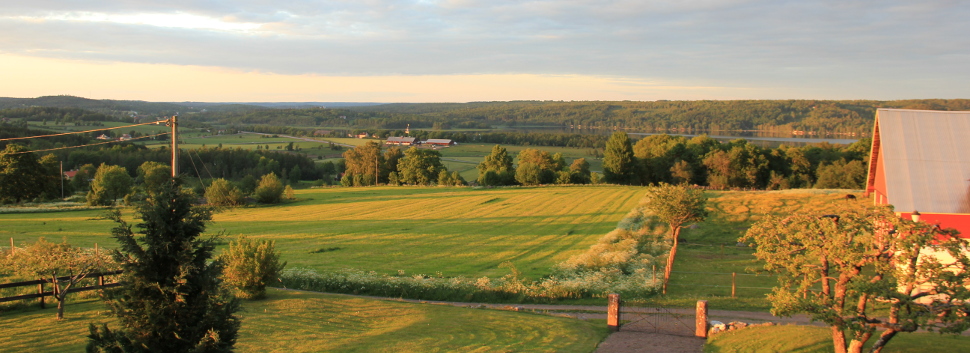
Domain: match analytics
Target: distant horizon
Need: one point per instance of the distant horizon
(365, 103)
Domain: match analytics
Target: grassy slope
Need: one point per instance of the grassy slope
(308, 322)
(469, 232)
(810, 339)
(711, 253)
(456, 231)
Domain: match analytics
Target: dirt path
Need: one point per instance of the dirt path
(625, 341)
(631, 341)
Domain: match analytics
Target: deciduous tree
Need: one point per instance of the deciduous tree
(676, 205)
(154, 176)
(52, 260)
(24, 177)
(500, 164)
(833, 267)
(110, 182)
(420, 166)
(367, 160)
(579, 171)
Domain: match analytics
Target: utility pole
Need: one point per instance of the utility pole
(175, 147)
(62, 180)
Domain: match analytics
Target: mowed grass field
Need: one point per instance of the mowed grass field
(812, 339)
(419, 230)
(709, 251)
(294, 321)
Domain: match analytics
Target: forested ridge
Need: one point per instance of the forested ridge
(842, 116)
(819, 117)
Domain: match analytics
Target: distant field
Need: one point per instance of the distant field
(455, 231)
(290, 321)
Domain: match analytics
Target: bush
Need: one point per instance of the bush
(270, 189)
(250, 265)
(222, 193)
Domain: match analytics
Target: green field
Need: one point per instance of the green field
(294, 321)
(709, 251)
(454, 231)
(812, 339)
(470, 231)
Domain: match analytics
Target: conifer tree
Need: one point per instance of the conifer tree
(619, 165)
(172, 299)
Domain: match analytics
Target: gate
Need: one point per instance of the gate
(662, 320)
(668, 321)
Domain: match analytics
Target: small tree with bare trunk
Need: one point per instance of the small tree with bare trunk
(833, 267)
(676, 205)
(49, 261)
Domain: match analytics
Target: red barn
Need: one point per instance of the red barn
(920, 161)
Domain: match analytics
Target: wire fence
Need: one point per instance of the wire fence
(723, 284)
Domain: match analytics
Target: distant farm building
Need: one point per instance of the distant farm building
(400, 141)
(362, 135)
(920, 161)
(439, 142)
(70, 174)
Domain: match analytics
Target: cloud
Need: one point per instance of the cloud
(724, 43)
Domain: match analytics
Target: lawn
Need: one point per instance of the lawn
(810, 339)
(470, 231)
(294, 321)
(709, 252)
(419, 230)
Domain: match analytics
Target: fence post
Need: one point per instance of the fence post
(613, 312)
(40, 290)
(700, 329)
(11, 245)
(734, 276)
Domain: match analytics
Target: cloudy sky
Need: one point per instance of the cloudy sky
(476, 50)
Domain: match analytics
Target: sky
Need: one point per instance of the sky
(484, 50)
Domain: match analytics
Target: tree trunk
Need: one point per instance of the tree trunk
(60, 307)
(883, 339)
(855, 346)
(670, 259)
(838, 339)
(59, 295)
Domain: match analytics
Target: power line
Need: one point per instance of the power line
(93, 144)
(80, 132)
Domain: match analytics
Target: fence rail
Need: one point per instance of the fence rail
(41, 293)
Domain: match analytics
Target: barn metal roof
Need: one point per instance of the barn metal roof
(927, 159)
(400, 139)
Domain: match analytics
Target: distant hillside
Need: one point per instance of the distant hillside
(103, 106)
(781, 116)
(822, 117)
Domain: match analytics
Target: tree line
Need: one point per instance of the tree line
(370, 164)
(826, 116)
(26, 177)
(704, 161)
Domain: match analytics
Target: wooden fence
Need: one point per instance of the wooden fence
(41, 293)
